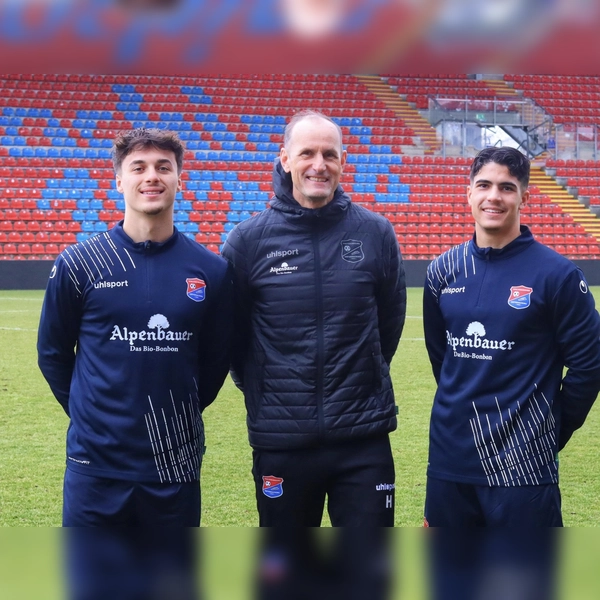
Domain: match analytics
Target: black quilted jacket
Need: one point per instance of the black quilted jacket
(321, 303)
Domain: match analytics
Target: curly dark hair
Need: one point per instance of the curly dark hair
(515, 161)
(131, 140)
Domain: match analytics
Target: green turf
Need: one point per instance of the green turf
(32, 432)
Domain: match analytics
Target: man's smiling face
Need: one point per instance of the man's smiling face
(315, 160)
(149, 181)
(496, 197)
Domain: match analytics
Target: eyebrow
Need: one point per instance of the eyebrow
(510, 183)
(326, 151)
(140, 161)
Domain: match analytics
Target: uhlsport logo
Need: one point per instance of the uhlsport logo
(196, 289)
(520, 297)
(476, 339)
(109, 285)
(352, 251)
(283, 253)
(272, 486)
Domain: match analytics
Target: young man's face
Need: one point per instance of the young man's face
(149, 181)
(496, 197)
(315, 159)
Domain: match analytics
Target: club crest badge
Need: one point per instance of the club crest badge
(520, 297)
(272, 486)
(352, 251)
(196, 289)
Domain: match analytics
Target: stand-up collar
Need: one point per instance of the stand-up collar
(515, 247)
(148, 246)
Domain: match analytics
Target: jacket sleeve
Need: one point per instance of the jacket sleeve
(577, 330)
(217, 335)
(391, 296)
(59, 330)
(433, 324)
(235, 253)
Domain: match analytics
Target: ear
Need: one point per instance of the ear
(524, 198)
(469, 195)
(179, 183)
(285, 160)
(118, 184)
(343, 158)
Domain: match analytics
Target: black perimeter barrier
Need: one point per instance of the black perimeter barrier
(33, 274)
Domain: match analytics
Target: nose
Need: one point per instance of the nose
(318, 162)
(151, 174)
(494, 193)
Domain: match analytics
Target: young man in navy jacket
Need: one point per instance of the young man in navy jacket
(321, 303)
(134, 342)
(503, 316)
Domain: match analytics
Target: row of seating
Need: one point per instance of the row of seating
(385, 178)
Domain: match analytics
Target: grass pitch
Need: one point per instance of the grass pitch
(33, 427)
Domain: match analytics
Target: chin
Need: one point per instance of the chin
(156, 210)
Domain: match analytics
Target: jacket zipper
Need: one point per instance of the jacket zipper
(319, 315)
(485, 268)
(147, 246)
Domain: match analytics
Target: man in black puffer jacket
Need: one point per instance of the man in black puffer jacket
(321, 303)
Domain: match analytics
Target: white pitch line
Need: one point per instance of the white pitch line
(15, 329)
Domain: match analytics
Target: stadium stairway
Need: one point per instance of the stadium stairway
(404, 110)
(569, 204)
(501, 87)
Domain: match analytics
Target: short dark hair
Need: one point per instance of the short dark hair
(131, 140)
(306, 114)
(514, 160)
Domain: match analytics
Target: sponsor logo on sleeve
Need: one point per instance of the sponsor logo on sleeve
(520, 297)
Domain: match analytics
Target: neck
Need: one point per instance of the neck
(491, 239)
(151, 228)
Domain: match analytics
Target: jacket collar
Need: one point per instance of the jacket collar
(515, 247)
(119, 233)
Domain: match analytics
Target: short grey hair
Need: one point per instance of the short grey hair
(306, 114)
